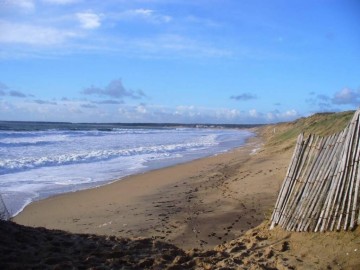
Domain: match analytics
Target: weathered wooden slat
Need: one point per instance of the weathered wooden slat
(289, 180)
(284, 187)
(308, 183)
(353, 168)
(330, 200)
(344, 187)
(299, 184)
(324, 190)
(357, 183)
(319, 187)
(326, 209)
(284, 212)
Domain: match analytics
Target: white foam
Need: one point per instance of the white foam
(82, 159)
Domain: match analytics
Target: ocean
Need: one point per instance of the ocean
(38, 159)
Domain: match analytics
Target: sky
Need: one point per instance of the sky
(178, 61)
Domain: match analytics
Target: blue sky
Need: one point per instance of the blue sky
(213, 61)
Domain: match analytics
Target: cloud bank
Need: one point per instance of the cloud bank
(21, 33)
(346, 97)
(114, 89)
(7, 91)
(244, 97)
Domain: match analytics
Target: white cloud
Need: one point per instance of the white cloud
(26, 5)
(277, 116)
(227, 115)
(61, 110)
(291, 113)
(181, 110)
(86, 111)
(347, 96)
(88, 20)
(5, 106)
(141, 109)
(32, 34)
(173, 45)
(271, 116)
(195, 114)
(62, 27)
(253, 113)
(61, 2)
(145, 14)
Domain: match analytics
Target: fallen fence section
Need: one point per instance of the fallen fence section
(320, 191)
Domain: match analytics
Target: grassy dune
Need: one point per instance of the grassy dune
(283, 136)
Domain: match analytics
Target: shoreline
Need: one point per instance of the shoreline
(175, 204)
(146, 165)
(148, 170)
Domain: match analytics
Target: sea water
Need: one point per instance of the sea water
(38, 160)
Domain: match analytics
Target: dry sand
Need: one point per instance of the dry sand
(198, 204)
(217, 205)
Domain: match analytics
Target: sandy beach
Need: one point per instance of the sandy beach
(209, 213)
(197, 204)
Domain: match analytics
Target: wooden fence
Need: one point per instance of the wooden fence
(320, 191)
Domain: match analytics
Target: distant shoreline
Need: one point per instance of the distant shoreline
(45, 125)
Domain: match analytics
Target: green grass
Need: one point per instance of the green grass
(322, 124)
